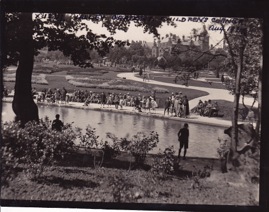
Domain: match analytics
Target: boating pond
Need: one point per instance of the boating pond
(203, 140)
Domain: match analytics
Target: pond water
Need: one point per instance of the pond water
(202, 141)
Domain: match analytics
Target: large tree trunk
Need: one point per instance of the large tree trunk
(23, 104)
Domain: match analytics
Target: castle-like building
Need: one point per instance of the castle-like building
(200, 40)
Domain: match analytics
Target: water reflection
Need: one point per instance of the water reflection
(203, 139)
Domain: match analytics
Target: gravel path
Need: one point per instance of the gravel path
(212, 93)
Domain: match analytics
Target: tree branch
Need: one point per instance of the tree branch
(229, 46)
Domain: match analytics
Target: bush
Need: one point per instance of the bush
(121, 189)
(89, 140)
(36, 145)
(250, 166)
(140, 145)
(198, 174)
(9, 165)
(164, 163)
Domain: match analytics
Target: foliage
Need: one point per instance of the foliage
(27, 33)
(136, 54)
(198, 174)
(244, 44)
(9, 165)
(57, 32)
(164, 163)
(45, 55)
(249, 87)
(90, 143)
(174, 62)
(162, 62)
(191, 56)
(250, 34)
(89, 140)
(218, 62)
(250, 166)
(140, 144)
(117, 54)
(37, 144)
(121, 189)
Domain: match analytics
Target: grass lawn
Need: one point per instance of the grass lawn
(75, 179)
(213, 84)
(58, 80)
(227, 109)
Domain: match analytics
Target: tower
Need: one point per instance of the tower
(204, 39)
(154, 51)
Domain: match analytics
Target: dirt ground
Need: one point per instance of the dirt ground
(117, 180)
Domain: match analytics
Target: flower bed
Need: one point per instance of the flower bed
(36, 79)
(115, 84)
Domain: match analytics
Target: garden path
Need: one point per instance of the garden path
(221, 94)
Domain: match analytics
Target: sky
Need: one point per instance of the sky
(183, 28)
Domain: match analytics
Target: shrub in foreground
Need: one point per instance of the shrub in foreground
(140, 144)
(36, 145)
(121, 188)
(164, 163)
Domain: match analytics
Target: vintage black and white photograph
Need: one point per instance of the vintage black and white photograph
(131, 109)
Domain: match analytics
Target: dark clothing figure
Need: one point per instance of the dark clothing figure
(103, 99)
(167, 105)
(137, 104)
(222, 78)
(186, 107)
(57, 124)
(183, 138)
(176, 79)
(140, 72)
(64, 92)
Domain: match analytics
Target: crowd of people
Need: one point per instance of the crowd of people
(119, 100)
(177, 105)
(110, 99)
(207, 108)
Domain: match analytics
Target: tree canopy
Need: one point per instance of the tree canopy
(27, 33)
(244, 46)
(60, 32)
(252, 41)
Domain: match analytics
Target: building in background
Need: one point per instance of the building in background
(200, 40)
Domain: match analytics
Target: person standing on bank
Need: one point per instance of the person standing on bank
(186, 109)
(183, 138)
(57, 124)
